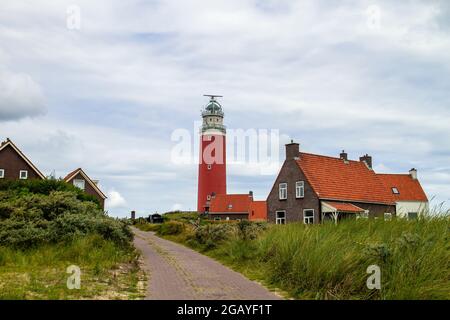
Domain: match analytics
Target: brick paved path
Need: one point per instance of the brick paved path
(177, 272)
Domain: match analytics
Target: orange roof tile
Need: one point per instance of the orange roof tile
(336, 179)
(230, 203)
(344, 207)
(408, 188)
(258, 211)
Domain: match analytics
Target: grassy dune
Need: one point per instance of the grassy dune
(330, 261)
(108, 271)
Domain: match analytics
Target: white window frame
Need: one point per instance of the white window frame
(363, 215)
(79, 180)
(305, 218)
(300, 189)
(282, 187)
(2, 173)
(387, 216)
(277, 219)
(23, 177)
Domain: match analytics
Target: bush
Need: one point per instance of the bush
(44, 187)
(171, 228)
(212, 235)
(48, 215)
(250, 230)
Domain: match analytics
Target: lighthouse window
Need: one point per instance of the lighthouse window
(209, 167)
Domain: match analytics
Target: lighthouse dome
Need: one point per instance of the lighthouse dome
(213, 108)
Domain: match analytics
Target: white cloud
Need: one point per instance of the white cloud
(177, 206)
(20, 96)
(115, 200)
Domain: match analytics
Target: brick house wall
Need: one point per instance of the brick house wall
(12, 163)
(290, 173)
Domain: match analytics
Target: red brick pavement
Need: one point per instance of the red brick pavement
(177, 272)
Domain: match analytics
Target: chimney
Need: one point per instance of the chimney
(413, 173)
(343, 155)
(250, 194)
(292, 150)
(133, 215)
(367, 159)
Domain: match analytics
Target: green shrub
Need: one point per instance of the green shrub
(250, 230)
(33, 213)
(212, 235)
(171, 228)
(44, 187)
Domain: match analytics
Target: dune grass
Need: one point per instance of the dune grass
(108, 271)
(330, 261)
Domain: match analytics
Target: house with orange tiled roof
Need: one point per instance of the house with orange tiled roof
(313, 188)
(410, 199)
(237, 207)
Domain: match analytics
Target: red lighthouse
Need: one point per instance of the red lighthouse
(212, 178)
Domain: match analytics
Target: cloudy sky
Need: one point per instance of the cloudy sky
(105, 90)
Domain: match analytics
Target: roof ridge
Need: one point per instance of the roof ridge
(393, 174)
(325, 156)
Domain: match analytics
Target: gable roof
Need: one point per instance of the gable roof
(258, 210)
(336, 179)
(75, 172)
(8, 142)
(409, 189)
(230, 203)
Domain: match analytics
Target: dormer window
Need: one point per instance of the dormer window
(395, 190)
(23, 174)
(230, 206)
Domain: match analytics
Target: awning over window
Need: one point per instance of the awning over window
(332, 206)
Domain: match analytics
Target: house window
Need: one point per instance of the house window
(283, 191)
(217, 218)
(208, 197)
(395, 190)
(280, 217)
(363, 215)
(308, 216)
(412, 215)
(79, 183)
(2, 173)
(23, 174)
(300, 189)
(387, 216)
